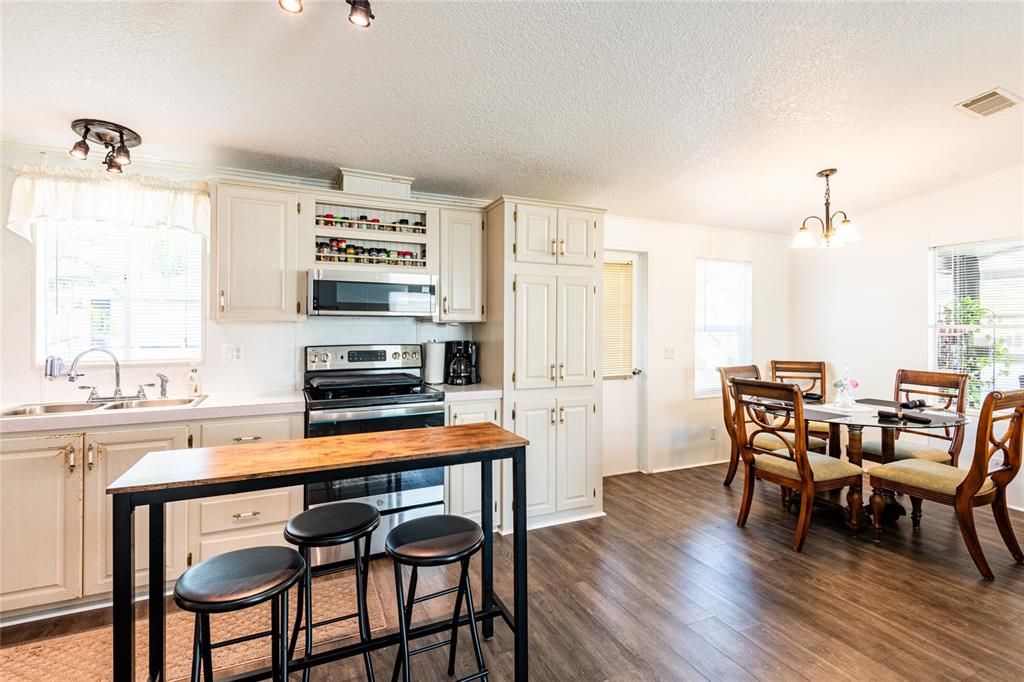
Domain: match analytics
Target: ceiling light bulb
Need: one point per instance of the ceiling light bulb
(803, 239)
(290, 6)
(360, 14)
(847, 231)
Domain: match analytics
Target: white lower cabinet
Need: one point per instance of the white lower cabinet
(560, 460)
(464, 492)
(108, 454)
(40, 519)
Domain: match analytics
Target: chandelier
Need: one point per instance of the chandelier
(832, 235)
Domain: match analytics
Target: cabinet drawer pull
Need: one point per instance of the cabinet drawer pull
(552, 415)
(561, 371)
(554, 247)
(561, 248)
(552, 372)
(88, 457)
(222, 300)
(561, 414)
(247, 439)
(70, 453)
(245, 515)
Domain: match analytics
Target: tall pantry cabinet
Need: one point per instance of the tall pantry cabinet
(543, 269)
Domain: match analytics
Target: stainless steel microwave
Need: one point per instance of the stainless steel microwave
(334, 292)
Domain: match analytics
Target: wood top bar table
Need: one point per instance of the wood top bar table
(168, 476)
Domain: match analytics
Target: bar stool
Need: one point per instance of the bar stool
(330, 525)
(234, 581)
(435, 541)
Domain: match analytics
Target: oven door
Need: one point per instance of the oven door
(371, 294)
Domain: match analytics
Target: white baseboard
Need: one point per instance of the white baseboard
(621, 473)
(1015, 507)
(687, 466)
(544, 523)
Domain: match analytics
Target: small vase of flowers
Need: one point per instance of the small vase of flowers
(845, 386)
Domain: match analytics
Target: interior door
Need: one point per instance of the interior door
(462, 259)
(576, 474)
(535, 331)
(576, 231)
(256, 236)
(621, 347)
(464, 492)
(536, 234)
(575, 337)
(40, 520)
(112, 453)
(535, 420)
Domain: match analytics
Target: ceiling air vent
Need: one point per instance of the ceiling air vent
(989, 103)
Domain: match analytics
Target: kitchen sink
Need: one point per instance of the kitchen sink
(49, 408)
(156, 402)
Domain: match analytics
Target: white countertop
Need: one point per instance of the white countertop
(215, 406)
(454, 394)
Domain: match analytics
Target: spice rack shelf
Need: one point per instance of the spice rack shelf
(328, 231)
(370, 260)
(369, 226)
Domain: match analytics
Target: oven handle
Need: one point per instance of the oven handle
(359, 413)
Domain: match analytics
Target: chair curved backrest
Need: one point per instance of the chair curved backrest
(727, 374)
(949, 387)
(1011, 406)
(809, 375)
(751, 397)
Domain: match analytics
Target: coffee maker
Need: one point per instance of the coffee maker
(460, 363)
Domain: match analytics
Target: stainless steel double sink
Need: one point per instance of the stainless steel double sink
(37, 409)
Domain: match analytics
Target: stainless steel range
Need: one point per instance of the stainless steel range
(358, 389)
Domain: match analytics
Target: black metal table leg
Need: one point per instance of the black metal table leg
(124, 589)
(487, 555)
(157, 578)
(522, 635)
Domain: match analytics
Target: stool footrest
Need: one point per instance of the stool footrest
(239, 640)
(474, 676)
(435, 595)
(430, 647)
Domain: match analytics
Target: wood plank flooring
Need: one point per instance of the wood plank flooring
(666, 587)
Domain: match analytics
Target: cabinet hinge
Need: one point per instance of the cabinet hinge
(298, 207)
(513, 286)
(188, 559)
(595, 492)
(515, 216)
(513, 414)
(298, 306)
(190, 441)
(513, 248)
(513, 381)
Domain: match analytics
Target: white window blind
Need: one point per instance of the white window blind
(617, 319)
(977, 314)
(134, 291)
(722, 321)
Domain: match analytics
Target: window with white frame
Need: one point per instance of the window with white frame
(976, 321)
(135, 291)
(722, 330)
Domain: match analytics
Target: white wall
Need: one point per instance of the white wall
(678, 426)
(272, 351)
(866, 305)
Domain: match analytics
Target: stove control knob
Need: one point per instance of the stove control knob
(395, 355)
(415, 355)
(405, 355)
(325, 357)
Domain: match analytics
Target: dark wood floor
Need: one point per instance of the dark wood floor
(666, 587)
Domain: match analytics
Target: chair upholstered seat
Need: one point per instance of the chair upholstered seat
(770, 441)
(926, 475)
(331, 524)
(825, 468)
(907, 449)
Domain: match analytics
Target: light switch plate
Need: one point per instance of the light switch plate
(233, 352)
(670, 353)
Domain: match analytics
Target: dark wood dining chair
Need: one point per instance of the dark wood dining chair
(786, 461)
(727, 374)
(964, 489)
(810, 376)
(951, 390)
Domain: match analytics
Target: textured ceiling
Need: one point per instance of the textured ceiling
(710, 113)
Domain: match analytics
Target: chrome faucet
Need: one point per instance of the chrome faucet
(55, 368)
(163, 384)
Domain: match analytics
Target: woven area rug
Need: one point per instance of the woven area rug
(86, 655)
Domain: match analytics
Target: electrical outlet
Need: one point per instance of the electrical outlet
(714, 433)
(670, 353)
(233, 352)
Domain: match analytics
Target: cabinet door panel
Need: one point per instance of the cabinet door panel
(464, 492)
(576, 333)
(575, 237)
(535, 331)
(462, 259)
(40, 520)
(113, 453)
(535, 421)
(536, 234)
(256, 262)
(576, 469)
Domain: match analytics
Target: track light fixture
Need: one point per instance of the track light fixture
(115, 137)
(360, 15)
(290, 6)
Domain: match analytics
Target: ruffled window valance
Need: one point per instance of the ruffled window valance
(54, 193)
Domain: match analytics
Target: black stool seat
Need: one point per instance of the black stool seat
(331, 524)
(434, 540)
(239, 579)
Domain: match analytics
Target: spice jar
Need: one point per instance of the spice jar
(350, 254)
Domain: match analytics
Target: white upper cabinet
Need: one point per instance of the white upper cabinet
(535, 420)
(535, 331)
(576, 470)
(461, 295)
(576, 233)
(40, 520)
(256, 274)
(575, 331)
(536, 234)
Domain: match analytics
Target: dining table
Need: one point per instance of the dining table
(167, 476)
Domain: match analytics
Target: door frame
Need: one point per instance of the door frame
(641, 350)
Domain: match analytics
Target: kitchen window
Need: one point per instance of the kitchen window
(976, 317)
(134, 291)
(722, 330)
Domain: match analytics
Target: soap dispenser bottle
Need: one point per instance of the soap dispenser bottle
(192, 383)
